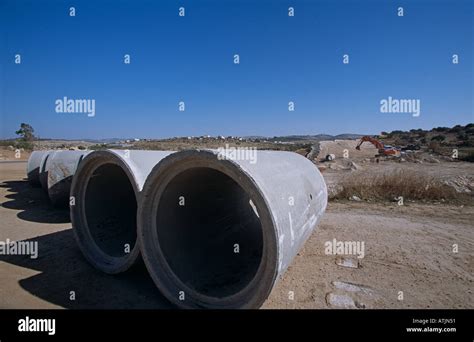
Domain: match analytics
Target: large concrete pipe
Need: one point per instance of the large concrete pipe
(62, 166)
(33, 167)
(105, 192)
(218, 233)
(43, 169)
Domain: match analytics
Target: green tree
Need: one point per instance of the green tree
(438, 138)
(26, 132)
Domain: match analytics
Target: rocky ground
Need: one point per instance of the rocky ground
(455, 173)
(408, 263)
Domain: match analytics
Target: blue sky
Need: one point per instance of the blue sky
(190, 59)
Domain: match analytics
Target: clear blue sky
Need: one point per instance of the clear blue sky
(191, 59)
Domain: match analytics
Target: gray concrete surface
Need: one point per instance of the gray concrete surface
(106, 193)
(265, 207)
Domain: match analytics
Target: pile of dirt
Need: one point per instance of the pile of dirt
(462, 184)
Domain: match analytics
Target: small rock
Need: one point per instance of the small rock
(347, 262)
(350, 287)
(342, 301)
(354, 166)
(431, 159)
(355, 198)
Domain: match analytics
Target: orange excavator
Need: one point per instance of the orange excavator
(384, 150)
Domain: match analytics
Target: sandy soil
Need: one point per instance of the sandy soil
(408, 249)
(13, 154)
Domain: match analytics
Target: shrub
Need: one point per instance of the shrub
(27, 145)
(435, 147)
(438, 138)
(468, 157)
(411, 185)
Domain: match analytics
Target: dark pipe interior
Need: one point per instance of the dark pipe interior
(111, 210)
(198, 239)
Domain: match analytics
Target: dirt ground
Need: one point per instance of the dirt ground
(407, 248)
(455, 173)
(12, 154)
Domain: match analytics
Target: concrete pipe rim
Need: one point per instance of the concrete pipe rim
(43, 170)
(33, 168)
(87, 244)
(257, 290)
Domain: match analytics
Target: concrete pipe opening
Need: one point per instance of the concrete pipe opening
(206, 234)
(104, 214)
(213, 240)
(110, 210)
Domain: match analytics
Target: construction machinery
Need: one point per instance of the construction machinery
(384, 150)
(411, 147)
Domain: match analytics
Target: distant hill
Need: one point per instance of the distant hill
(94, 141)
(346, 136)
(316, 137)
(459, 136)
(104, 141)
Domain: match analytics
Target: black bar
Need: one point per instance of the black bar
(318, 325)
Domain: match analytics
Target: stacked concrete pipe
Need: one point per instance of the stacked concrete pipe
(34, 166)
(218, 232)
(44, 168)
(105, 193)
(53, 171)
(215, 231)
(61, 167)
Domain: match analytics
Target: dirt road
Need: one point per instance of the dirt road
(407, 249)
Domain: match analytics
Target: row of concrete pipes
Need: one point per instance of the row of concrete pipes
(215, 230)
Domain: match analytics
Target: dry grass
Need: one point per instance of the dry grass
(409, 184)
(183, 144)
